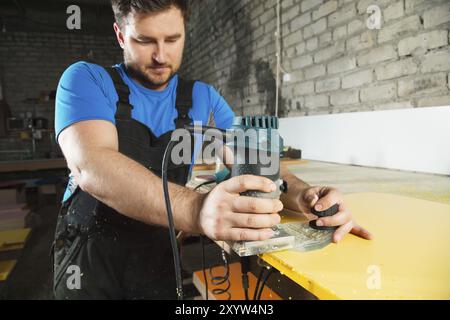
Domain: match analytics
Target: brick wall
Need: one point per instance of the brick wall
(33, 63)
(337, 64)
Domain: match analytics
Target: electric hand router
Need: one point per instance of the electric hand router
(264, 140)
(258, 153)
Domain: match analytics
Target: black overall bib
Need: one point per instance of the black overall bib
(113, 256)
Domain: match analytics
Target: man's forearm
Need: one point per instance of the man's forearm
(134, 191)
(295, 189)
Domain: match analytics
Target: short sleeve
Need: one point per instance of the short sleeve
(223, 114)
(81, 96)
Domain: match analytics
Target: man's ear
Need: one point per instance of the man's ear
(119, 35)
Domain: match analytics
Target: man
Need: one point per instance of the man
(112, 125)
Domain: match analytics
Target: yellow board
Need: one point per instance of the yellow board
(408, 259)
(13, 239)
(6, 268)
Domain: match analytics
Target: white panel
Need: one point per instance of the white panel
(407, 139)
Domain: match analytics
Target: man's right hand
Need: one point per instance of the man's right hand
(226, 215)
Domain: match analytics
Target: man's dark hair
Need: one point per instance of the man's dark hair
(122, 8)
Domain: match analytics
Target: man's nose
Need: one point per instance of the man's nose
(159, 55)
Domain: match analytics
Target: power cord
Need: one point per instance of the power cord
(172, 232)
(216, 280)
(261, 284)
(165, 181)
(258, 282)
(203, 267)
(225, 279)
(245, 268)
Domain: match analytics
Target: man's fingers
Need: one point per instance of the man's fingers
(311, 196)
(256, 205)
(248, 182)
(254, 221)
(240, 234)
(361, 232)
(329, 199)
(339, 219)
(353, 228)
(342, 231)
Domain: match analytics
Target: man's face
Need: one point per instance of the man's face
(153, 46)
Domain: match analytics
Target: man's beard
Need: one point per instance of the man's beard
(148, 80)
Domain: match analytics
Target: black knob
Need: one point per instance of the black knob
(321, 214)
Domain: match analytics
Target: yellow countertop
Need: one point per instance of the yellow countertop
(408, 259)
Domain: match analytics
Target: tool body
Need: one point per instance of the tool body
(257, 152)
(266, 139)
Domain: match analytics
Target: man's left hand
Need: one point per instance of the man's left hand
(323, 198)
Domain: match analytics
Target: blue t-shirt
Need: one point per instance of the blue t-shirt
(86, 92)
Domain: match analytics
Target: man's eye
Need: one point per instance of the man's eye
(144, 41)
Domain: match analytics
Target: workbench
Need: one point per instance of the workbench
(409, 257)
(32, 165)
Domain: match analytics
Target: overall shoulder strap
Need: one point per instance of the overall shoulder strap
(124, 107)
(184, 102)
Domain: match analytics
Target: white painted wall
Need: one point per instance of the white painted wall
(407, 139)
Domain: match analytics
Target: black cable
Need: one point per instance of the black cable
(204, 184)
(258, 282)
(219, 280)
(245, 268)
(266, 278)
(172, 232)
(203, 267)
(247, 298)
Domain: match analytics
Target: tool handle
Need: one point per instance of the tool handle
(327, 213)
(321, 214)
